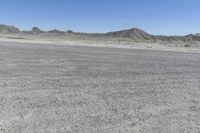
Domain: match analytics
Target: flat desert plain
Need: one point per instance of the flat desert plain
(78, 89)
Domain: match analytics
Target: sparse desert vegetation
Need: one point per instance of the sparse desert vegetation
(187, 45)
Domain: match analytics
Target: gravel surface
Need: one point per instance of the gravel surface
(69, 89)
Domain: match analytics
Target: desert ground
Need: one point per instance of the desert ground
(47, 88)
(107, 42)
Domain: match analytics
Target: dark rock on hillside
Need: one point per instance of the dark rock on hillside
(36, 30)
(70, 31)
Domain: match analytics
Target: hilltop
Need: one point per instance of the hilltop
(8, 29)
(123, 36)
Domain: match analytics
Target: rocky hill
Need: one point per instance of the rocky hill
(36, 30)
(131, 34)
(8, 29)
(198, 34)
(138, 35)
(55, 31)
(135, 34)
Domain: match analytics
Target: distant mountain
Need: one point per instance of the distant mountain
(134, 34)
(36, 30)
(8, 29)
(140, 35)
(198, 34)
(55, 31)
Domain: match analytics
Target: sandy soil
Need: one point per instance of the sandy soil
(80, 41)
(69, 89)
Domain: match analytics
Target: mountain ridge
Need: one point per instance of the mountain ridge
(8, 29)
(134, 34)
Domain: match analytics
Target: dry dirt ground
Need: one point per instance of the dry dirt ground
(74, 89)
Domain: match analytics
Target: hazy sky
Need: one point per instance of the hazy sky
(170, 17)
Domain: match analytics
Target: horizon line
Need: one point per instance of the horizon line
(96, 32)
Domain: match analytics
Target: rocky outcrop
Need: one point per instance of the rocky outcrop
(36, 30)
(135, 34)
(8, 29)
(55, 31)
(198, 34)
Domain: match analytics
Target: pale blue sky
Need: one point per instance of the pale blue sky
(169, 17)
